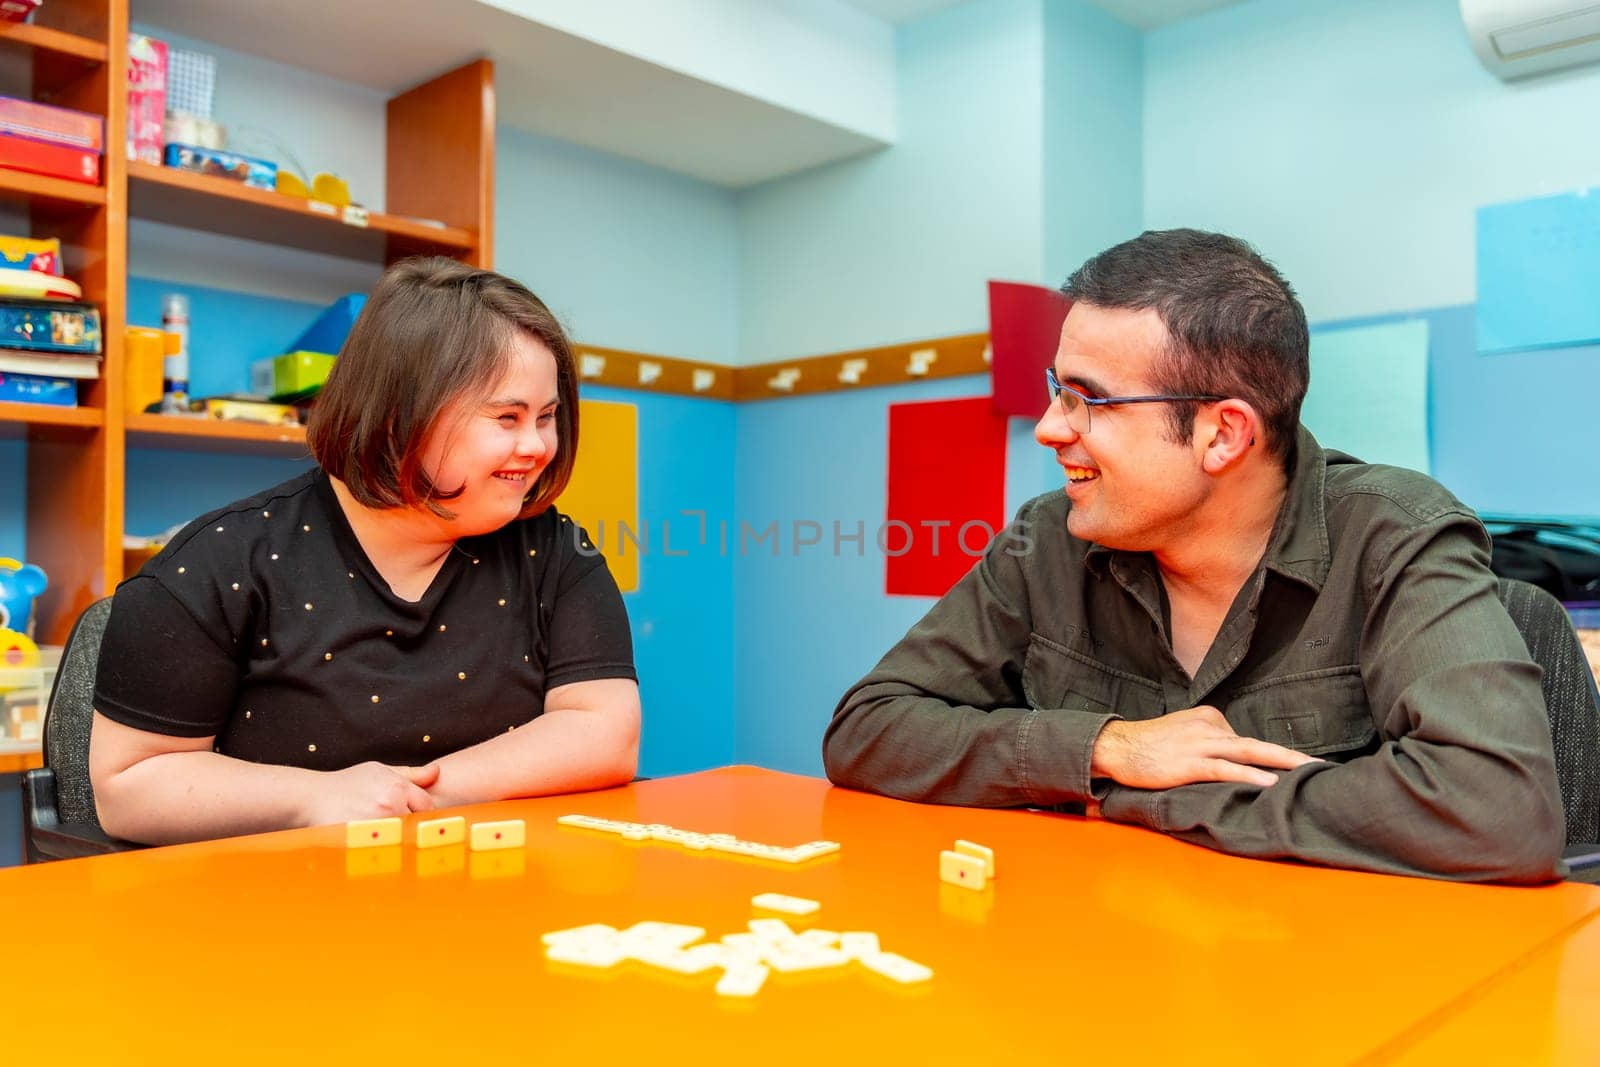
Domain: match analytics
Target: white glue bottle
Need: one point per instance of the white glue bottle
(175, 367)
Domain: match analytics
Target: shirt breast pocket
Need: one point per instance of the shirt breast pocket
(1054, 676)
(1321, 713)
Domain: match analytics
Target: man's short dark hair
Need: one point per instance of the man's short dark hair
(432, 331)
(1235, 325)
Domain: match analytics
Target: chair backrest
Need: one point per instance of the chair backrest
(1571, 700)
(70, 714)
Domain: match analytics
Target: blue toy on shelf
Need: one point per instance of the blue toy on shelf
(19, 584)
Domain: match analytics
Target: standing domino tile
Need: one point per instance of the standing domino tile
(507, 833)
(450, 830)
(969, 848)
(965, 871)
(370, 833)
(780, 902)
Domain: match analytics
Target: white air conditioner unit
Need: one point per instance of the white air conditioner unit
(1516, 38)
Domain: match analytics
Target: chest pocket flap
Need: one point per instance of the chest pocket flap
(1318, 712)
(1054, 676)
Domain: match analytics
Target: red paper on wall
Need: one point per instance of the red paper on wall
(1024, 330)
(947, 492)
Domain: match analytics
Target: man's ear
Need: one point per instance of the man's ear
(1232, 428)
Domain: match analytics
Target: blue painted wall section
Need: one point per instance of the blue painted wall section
(682, 612)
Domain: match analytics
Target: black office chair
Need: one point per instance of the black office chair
(1572, 701)
(58, 815)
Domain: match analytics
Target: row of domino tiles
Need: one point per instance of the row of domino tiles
(746, 957)
(698, 842)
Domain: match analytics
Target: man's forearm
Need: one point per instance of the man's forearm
(912, 747)
(1428, 810)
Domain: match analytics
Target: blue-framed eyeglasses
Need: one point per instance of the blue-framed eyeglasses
(1076, 406)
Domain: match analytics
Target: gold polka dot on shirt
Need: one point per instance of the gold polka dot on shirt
(461, 675)
(182, 569)
(266, 514)
(308, 605)
(441, 627)
(426, 738)
(327, 656)
(374, 698)
(502, 601)
(307, 529)
(311, 748)
(235, 587)
(219, 529)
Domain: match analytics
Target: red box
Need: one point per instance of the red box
(147, 97)
(41, 122)
(18, 10)
(54, 160)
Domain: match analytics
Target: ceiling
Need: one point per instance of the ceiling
(563, 85)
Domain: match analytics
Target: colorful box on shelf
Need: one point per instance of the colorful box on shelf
(147, 97)
(58, 125)
(257, 172)
(328, 331)
(18, 10)
(50, 326)
(38, 389)
(24, 691)
(291, 376)
(52, 160)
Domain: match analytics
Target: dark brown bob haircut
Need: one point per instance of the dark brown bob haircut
(433, 331)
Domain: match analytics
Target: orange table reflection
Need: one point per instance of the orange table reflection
(1096, 943)
(1545, 1010)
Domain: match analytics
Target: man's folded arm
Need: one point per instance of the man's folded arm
(943, 717)
(1464, 784)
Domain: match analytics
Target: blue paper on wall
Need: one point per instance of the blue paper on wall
(1369, 392)
(1539, 272)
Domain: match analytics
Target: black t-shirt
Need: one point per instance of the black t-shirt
(265, 625)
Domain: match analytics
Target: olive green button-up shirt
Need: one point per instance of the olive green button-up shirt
(1371, 635)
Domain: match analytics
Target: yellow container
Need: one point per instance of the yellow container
(144, 349)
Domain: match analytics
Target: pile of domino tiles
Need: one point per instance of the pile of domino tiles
(745, 958)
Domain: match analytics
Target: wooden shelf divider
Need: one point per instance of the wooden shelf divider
(45, 39)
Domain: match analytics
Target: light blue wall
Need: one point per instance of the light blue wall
(810, 620)
(897, 246)
(1093, 134)
(1351, 141)
(626, 255)
(682, 612)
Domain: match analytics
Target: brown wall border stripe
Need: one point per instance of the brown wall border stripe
(914, 361)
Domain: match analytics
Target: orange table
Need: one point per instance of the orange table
(1097, 943)
(1545, 1010)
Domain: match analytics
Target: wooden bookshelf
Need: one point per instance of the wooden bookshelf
(39, 190)
(217, 205)
(50, 415)
(215, 435)
(46, 41)
(442, 135)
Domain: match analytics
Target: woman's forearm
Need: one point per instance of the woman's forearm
(562, 751)
(195, 796)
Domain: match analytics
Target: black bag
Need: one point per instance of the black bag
(1560, 557)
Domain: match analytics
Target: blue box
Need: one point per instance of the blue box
(34, 389)
(257, 172)
(328, 332)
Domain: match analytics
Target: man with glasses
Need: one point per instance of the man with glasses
(1220, 630)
